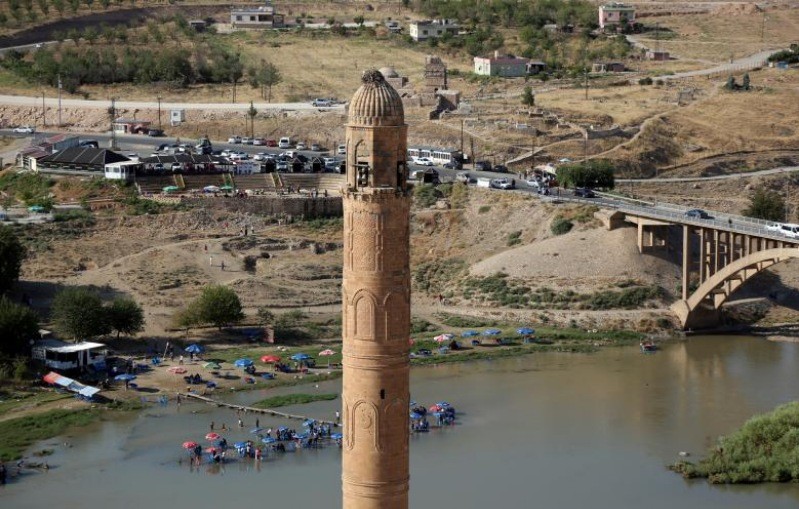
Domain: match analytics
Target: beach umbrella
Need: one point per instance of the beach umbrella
(308, 422)
(491, 332)
(240, 445)
(243, 363)
(268, 440)
(435, 408)
(441, 338)
(177, 370)
(327, 352)
(336, 436)
(282, 428)
(170, 189)
(415, 416)
(124, 377)
(469, 333)
(212, 436)
(301, 436)
(270, 359)
(525, 331)
(194, 348)
(443, 404)
(226, 187)
(190, 445)
(211, 365)
(300, 357)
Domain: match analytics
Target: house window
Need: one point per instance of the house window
(238, 18)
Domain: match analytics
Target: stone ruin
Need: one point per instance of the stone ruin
(433, 92)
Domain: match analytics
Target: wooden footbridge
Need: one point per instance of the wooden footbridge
(254, 410)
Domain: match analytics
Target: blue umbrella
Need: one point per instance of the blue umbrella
(308, 423)
(300, 357)
(268, 440)
(443, 404)
(243, 363)
(336, 436)
(469, 333)
(282, 428)
(301, 436)
(491, 332)
(416, 415)
(525, 331)
(240, 445)
(125, 377)
(195, 348)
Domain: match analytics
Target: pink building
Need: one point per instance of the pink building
(615, 15)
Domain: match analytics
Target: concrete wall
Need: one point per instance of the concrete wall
(274, 205)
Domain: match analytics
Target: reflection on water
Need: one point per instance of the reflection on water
(547, 430)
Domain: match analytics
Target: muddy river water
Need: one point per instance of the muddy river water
(546, 430)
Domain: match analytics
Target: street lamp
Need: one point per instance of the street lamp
(159, 111)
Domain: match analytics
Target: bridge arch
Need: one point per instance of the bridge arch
(709, 297)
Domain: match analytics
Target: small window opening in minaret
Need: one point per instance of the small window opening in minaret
(382, 394)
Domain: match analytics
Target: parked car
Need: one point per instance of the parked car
(158, 167)
(315, 147)
(246, 140)
(502, 183)
(341, 150)
(89, 144)
(584, 192)
(258, 141)
(260, 156)
(462, 177)
(234, 139)
(155, 133)
(322, 103)
(501, 168)
(285, 142)
(697, 214)
(482, 166)
(790, 230)
(453, 165)
(271, 143)
(300, 146)
(773, 227)
(24, 129)
(424, 161)
(176, 167)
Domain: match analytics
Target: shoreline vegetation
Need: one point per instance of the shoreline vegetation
(765, 449)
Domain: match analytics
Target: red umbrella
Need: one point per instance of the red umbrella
(270, 359)
(212, 436)
(435, 408)
(190, 445)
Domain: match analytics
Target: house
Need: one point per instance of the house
(80, 159)
(657, 55)
(599, 67)
(262, 16)
(69, 356)
(432, 29)
(124, 125)
(616, 16)
(506, 66)
(198, 25)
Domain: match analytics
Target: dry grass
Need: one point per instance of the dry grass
(731, 30)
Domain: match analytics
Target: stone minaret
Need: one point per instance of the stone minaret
(376, 301)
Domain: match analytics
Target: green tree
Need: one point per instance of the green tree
(528, 99)
(266, 76)
(12, 252)
(59, 6)
(18, 325)
(265, 316)
(125, 316)
(766, 204)
(43, 6)
(251, 113)
(74, 5)
(746, 82)
(730, 85)
(359, 20)
(78, 313)
(217, 305)
(591, 173)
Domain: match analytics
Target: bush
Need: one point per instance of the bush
(560, 226)
(483, 209)
(645, 81)
(514, 238)
(425, 195)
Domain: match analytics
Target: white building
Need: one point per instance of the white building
(69, 356)
(432, 29)
(501, 65)
(262, 16)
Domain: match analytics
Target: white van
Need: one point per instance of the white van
(284, 142)
(483, 182)
(790, 230)
(342, 150)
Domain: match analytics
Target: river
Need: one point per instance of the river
(544, 430)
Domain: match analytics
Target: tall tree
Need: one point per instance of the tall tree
(218, 305)
(251, 113)
(528, 99)
(18, 325)
(125, 316)
(266, 76)
(78, 313)
(12, 252)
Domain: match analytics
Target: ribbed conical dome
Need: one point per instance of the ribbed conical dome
(376, 102)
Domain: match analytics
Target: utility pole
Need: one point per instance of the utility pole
(112, 116)
(585, 72)
(461, 137)
(59, 101)
(44, 112)
(159, 112)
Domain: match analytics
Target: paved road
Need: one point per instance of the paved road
(731, 176)
(52, 102)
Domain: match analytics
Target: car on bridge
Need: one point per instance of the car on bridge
(584, 192)
(24, 129)
(423, 161)
(697, 214)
